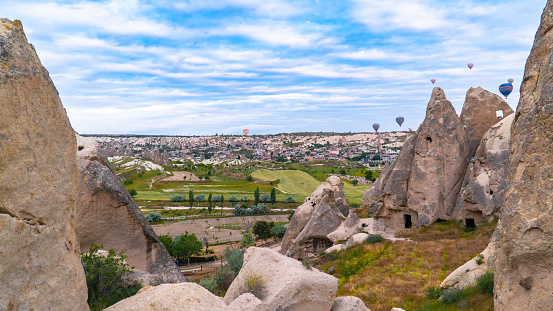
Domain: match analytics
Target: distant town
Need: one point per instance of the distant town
(371, 149)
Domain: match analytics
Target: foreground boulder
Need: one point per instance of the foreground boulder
(108, 215)
(422, 183)
(40, 266)
(282, 283)
(523, 279)
(171, 297)
(349, 303)
(483, 190)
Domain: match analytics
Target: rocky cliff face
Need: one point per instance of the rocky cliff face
(483, 191)
(480, 111)
(422, 184)
(523, 279)
(108, 215)
(39, 252)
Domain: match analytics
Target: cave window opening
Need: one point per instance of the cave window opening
(491, 192)
(470, 223)
(499, 114)
(408, 223)
(429, 139)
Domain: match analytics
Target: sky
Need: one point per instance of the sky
(202, 67)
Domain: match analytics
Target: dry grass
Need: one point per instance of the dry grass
(396, 274)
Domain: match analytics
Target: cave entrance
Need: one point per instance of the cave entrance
(320, 245)
(469, 223)
(408, 222)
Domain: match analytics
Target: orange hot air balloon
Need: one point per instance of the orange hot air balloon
(246, 131)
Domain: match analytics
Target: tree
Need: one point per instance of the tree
(167, 241)
(209, 203)
(256, 196)
(186, 245)
(369, 175)
(249, 178)
(262, 230)
(200, 198)
(233, 198)
(278, 231)
(191, 197)
(153, 217)
(289, 200)
(355, 182)
(342, 172)
(376, 157)
(234, 258)
(247, 240)
(177, 198)
(133, 193)
(273, 196)
(222, 203)
(265, 198)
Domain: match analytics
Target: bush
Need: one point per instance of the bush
(200, 198)
(247, 240)
(153, 217)
(224, 277)
(133, 193)
(177, 198)
(210, 284)
(234, 258)
(255, 284)
(128, 182)
(261, 208)
(307, 264)
(278, 231)
(479, 259)
(262, 230)
(107, 277)
(289, 200)
(233, 198)
(451, 295)
(265, 198)
(238, 210)
(245, 199)
(433, 292)
(216, 198)
(249, 178)
(374, 238)
(485, 283)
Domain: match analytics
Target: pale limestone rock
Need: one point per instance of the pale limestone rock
(289, 285)
(348, 303)
(172, 297)
(357, 239)
(40, 266)
(108, 215)
(523, 278)
(483, 190)
(335, 248)
(245, 302)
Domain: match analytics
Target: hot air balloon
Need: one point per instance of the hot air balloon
(400, 120)
(376, 126)
(410, 129)
(470, 65)
(511, 81)
(433, 81)
(506, 89)
(246, 131)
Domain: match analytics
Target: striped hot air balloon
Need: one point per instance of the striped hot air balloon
(506, 89)
(246, 131)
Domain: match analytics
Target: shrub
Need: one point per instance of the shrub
(262, 208)
(238, 210)
(247, 240)
(255, 284)
(133, 193)
(485, 283)
(265, 198)
(128, 182)
(374, 238)
(177, 198)
(479, 259)
(107, 277)
(278, 231)
(451, 295)
(245, 199)
(200, 198)
(233, 198)
(224, 277)
(210, 284)
(234, 258)
(153, 217)
(433, 292)
(289, 200)
(216, 198)
(262, 230)
(307, 264)
(249, 178)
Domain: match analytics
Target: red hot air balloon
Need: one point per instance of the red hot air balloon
(246, 131)
(433, 81)
(410, 129)
(470, 65)
(376, 126)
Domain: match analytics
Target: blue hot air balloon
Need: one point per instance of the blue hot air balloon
(506, 89)
(376, 126)
(400, 120)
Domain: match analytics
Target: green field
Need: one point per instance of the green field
(301, 183)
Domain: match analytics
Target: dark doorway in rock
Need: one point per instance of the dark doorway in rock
(408, 223)
(429, 139)
(470, 223)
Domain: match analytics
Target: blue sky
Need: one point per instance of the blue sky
(202, 67)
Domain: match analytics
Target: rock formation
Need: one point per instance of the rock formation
(108, 215)
(523, 279)
(321, 220)
(481, 110)
(40, 266)
(349, 303)
(483, 190)
(422, 183)
(288, 284)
